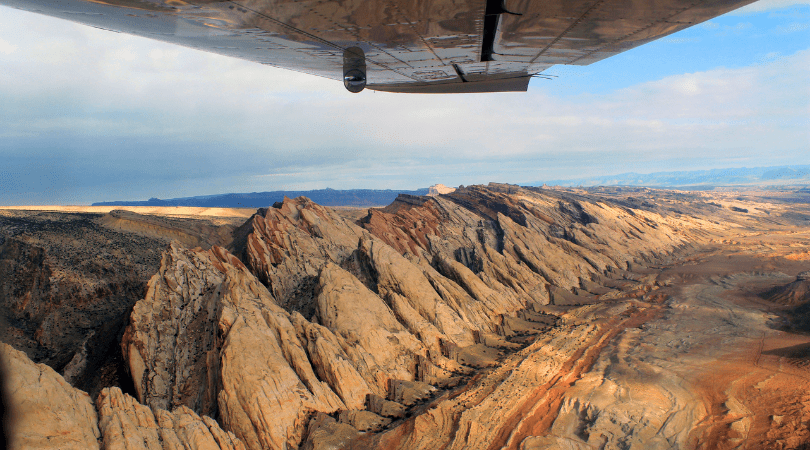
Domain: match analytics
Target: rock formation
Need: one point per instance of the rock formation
(44, 411)
(68, 282)
(190, 232)
(488, 317)
(327, 316)
(127, 424)
(438, 189)
(792, 294)
(65, 292)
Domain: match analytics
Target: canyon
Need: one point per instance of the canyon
(485, 317)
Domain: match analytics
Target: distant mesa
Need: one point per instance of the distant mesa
(326, 197)
(438, 189)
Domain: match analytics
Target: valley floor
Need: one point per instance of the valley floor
(696, 360)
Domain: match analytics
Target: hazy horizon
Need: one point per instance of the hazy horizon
(775, 182)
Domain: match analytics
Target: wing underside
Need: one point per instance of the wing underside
(417, 46)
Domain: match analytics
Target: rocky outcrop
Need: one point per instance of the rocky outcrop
(409, 292)
(438, 189)
(68, 283)
(210, 337)
(191, 232)
(285, 247)
(320, 315)
(791, 294)
(127, 424)
(171, 342)
(519, 241)
(373, 337)
(490, 317)
(499, 407)
(43, 410)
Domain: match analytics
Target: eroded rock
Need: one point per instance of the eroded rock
(209, 331)
(368, 323)
(127, 424)
(44, 411)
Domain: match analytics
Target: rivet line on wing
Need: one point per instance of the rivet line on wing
(567, 30)
(410, 24)
(316, 38)
(359, 39)
(625, 37)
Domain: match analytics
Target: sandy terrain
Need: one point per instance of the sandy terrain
(185, 211)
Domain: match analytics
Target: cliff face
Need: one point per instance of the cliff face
(66, 287)
(792, 294)
(69, 281)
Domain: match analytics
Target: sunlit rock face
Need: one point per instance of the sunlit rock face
(125, 423)
(320, 314)
(439, 189)
(44, 411)
(792, 294)
(489, 317)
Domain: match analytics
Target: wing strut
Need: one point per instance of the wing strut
(492, 16)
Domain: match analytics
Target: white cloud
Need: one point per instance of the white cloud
(769, 5)
(6, 48)
(792, 27)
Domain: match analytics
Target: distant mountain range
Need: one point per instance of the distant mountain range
(698, 179)
(326, 197)
(693, 179)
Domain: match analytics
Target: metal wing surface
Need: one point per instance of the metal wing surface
(418, 46)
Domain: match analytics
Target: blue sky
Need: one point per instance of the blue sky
(88, 115)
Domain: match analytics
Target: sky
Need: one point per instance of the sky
(88, 115)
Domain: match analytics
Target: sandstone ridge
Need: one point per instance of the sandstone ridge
(488, 317)
(320, 314)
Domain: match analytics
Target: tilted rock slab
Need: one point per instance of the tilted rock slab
(208, 329)
(518, 240)
(44, 411)
(492, 409)
(286, 246)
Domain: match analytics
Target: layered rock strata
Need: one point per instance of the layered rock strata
(326, 316)
(792, 294)
(210, 337)
(490, 317)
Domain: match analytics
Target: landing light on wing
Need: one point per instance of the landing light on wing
(354, 69)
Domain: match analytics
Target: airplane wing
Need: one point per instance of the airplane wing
(415, 46)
